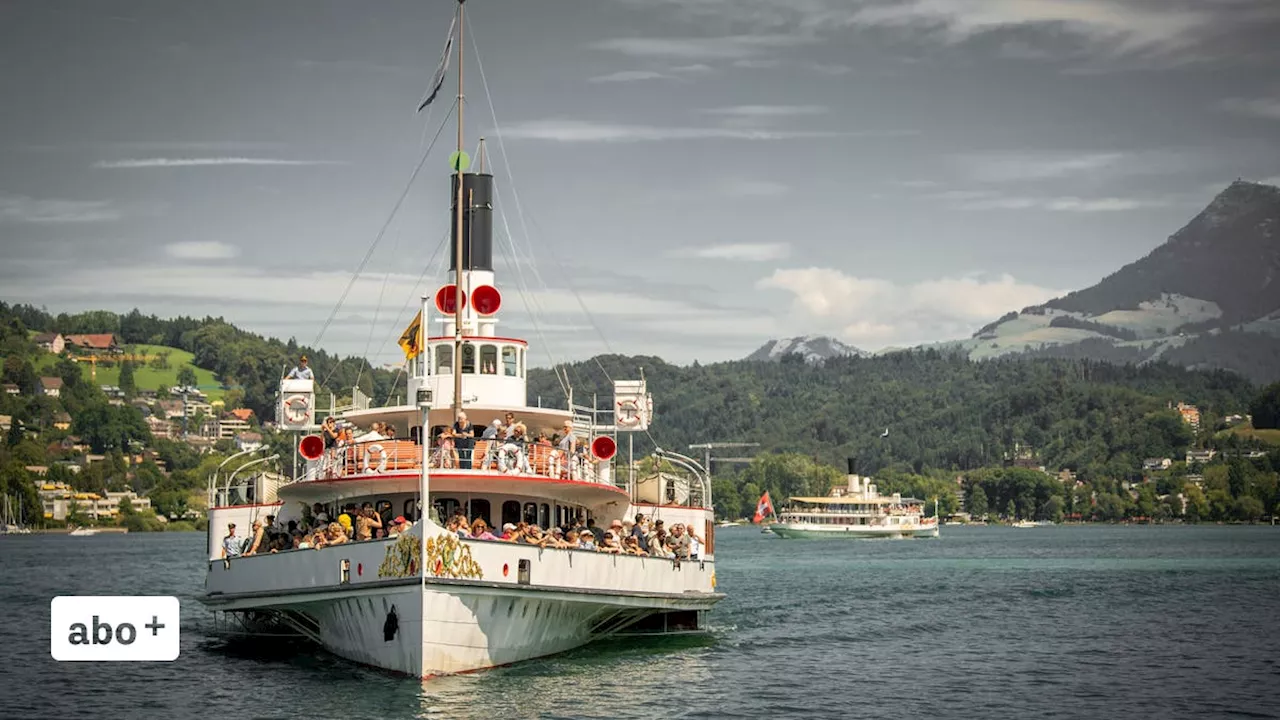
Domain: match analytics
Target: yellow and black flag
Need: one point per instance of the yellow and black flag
(411, 340)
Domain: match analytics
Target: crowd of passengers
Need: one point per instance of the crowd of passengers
(507, 448)
(643, 536)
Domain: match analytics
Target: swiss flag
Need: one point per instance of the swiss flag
(763, 507)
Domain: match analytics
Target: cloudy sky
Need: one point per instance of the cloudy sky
(685, 178)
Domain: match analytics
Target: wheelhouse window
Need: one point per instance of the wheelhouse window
(509, 367)
(469, 358)
(488, 359)
(444, 359)
(530, 513)
(544, 515)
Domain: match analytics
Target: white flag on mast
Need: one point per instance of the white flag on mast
(437, 80)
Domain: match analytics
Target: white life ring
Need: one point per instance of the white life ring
(382, 453)
(633, 418)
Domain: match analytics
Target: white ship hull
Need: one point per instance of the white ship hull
(810, 531)
(561, 600)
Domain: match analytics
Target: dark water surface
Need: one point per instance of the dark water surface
(1091, 622)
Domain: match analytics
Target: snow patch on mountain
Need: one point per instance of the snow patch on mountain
(814, 349)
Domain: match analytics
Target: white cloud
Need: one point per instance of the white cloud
(745, 252)
(201, 250)
(741, 187)
(19, 208)
(1126, 27)
(1014, 167)
(765, 111)
(757, 64)
(694, 69)
(873, 312)
(588, 131)
(1268, 108)
(994, 201)
(629, 76)
(700, 48)
(1271, 181)
(160, 162)
(1154, 32)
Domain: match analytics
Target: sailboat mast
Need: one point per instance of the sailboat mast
(457, 271)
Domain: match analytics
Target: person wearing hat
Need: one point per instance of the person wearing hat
(231, 543)
(301, 371)
(398, 525)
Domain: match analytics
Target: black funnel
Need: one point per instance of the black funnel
(853, 462)
(477, 222)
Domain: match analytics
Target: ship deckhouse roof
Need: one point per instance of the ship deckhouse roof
(462, 482)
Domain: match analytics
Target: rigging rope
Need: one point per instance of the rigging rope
(378, 238)
(427, 267)
(395, 245)
(506, 161)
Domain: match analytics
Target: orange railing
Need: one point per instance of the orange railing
(387, 456)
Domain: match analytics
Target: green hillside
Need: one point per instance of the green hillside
(145, 375)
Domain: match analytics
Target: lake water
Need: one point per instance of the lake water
(1089, 622)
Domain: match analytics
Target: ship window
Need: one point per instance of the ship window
(509, 361)
(530, 513)
(544, 516)
(411, 509)
(445, 508)
(469, 358)
(510, 512)
(444, 359)
(479, 509)
(488, 359)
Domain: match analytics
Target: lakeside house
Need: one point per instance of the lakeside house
(51, 342)
(1200, 456)
(58, 500)
(51, 386)
(94, 343)
(1157, 464)
(248, 441)
(1190, 415)
(11, 389)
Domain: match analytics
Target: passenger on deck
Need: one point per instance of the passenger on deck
(610, 544)
(329, 430)
(512, 456)
(366, 522)
(446, 453)
(566, 447)
(231, 544)
(490, 436)
(464, 440)
(480, 530)
(508, 532)
(257, 542)
(375, 434)
(398, 525)
(301, 371)
(696, 543)
(632, 547)
(678, 542)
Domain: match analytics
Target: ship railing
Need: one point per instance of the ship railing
(372, 457)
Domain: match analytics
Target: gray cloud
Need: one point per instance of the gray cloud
(18, 208)
(160, 162)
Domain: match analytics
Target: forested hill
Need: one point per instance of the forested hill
(239, 358)
(941, 409)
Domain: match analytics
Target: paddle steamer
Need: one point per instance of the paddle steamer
(857, 510)
(429, 602)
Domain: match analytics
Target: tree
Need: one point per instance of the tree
(187, 377)
(1265, 409)
(1011, 510)
(127, 385)
(1248, 508)
(978, 503)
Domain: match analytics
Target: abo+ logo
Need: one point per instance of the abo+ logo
(114, 628)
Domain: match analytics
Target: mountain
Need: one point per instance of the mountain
(1209, 297)
(814, 348)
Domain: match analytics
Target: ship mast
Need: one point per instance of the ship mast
(457, 271)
